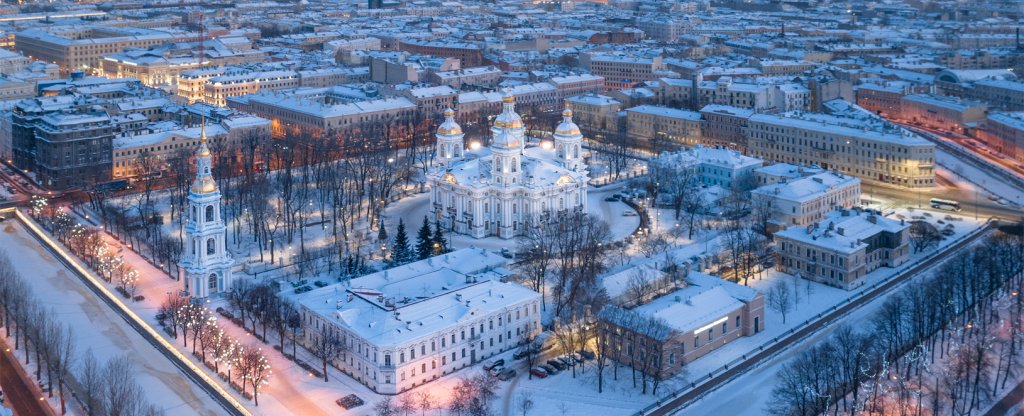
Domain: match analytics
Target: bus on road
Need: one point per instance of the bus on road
(945, 204)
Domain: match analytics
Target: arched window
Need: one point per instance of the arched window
(212, 282)
(209, 213)
(211, 246)
(194, 217)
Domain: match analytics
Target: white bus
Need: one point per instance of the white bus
(945, 204)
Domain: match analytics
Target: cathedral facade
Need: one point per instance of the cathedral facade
(505, 188)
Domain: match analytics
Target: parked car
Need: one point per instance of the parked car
(948, 232)
(557, 364)
(567, 361)
(496, 371)
(628, 214)
(587, 355)
(350, 401)
(549, 369)
(507, 375)
(538, 372)
(496, 363)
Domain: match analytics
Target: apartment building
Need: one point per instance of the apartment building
(73, 150)
(595, 112)
(806, 200)
(481, 76)
(468, 54)
(1004, 132)
(620, 71)
(650, 123)
(78, 47)
(142, 152)
(724, 125)
(320, 111)
(1005, 95)
(217, 89)
(865, 148)
(409, 325)
(942, 112)
(843, 248)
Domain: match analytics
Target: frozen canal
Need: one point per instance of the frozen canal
(95, 326)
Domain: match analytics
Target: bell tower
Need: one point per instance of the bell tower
(205, 263)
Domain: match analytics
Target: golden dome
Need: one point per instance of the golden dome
(567, 127)
(508, 98)
(204, 185)
(449, 127)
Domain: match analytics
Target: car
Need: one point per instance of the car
(350, 401)
(496, 371)
(1003, 201)
(948, 232)
(557, 364)
(992, 197)
(496, 363)
(538, 372)
(507, 375)
(550, 369)
(610, 199)
(566, 361)
(518, 355)
(628, 214)
(320, 283)
(587, 355)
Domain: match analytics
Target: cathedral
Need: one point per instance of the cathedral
(205, 265)
(501, 189)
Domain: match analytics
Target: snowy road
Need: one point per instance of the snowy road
(98, 328)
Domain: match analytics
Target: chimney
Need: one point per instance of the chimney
(873, 219)
(841, 231)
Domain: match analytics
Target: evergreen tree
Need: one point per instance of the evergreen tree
(424, 241)
(382, 233)
(401, 252)
(440, 244)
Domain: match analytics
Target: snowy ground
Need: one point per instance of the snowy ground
(97, 327)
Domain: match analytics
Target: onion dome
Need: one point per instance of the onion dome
(449, 127)
(567, 127)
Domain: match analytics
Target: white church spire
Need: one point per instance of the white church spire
(205, 263)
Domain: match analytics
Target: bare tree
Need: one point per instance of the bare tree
(779, 299)
(90, 381)
(326, 346)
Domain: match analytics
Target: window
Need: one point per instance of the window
(737, 322)
(209, 213)
(212, 282)
(211, 247)
(387, 359)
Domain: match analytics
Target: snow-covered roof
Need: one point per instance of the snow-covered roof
(843, 231)
(666, 112)
(416, 300)
(704, 300)
(805, 189)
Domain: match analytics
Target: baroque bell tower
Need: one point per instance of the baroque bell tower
(205, 263)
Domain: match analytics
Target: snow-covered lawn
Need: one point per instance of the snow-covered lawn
(98, 328)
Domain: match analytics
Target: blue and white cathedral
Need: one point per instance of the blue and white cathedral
(205, 265)
(503, 189)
